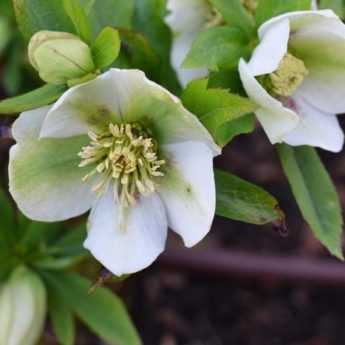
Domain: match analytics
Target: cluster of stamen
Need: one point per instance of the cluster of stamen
(126, 156)
(287, 78)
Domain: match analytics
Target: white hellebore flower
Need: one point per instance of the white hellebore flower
(127, 149)
(297, 77)
(22, 308)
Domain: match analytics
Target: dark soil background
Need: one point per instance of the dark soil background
(180, 306)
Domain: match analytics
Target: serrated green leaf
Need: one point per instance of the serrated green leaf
(315, 194)
(106, 48)
(235, 14)
(227, 132)
(216, 107)
(36, 15)
(79, 19)
(268, 9)
(61, 316)
(217, 48)
(101, 310)
(42, 96)
(243, 201)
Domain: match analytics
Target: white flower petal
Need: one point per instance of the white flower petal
(29, 123)
(181, 46)
(297, 19)
(91, 105)
(322, 48)
(316, 128)
(271, 50)
(188, 15)
(186, 19)
(45, 179)
(314, 5)
(124, 96)
(163, 113)
(188, 190)
(276, 120)
(133, 245)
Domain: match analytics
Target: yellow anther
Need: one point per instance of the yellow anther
(126, 156)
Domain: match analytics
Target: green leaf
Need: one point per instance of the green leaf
(215, 107)
(37, 232)
(42, 96)
(315, 194)
(137, 53)
(102, 310)
(115, 13)
(7, 215)
(57, 264)
(7, 223)
(79, 18)
(106, 48)
(217, 48)
(37, 15)
(235, 14)
(61, 316)
(268, 9)
(243, 201)
(71, 242)
(13, 70)
(227, 132)
(337, 6)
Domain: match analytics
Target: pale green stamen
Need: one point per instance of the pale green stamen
(287, 78)
(126, 156)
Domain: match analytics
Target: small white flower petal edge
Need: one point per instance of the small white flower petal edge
(186, 19)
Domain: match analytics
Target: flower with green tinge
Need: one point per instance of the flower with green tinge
(60, 57)
(22, 308)
(127, 149)
(296, 75)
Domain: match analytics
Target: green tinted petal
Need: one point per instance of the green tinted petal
(45, 179)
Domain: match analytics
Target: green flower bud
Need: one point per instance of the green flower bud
(60, 57)
(22, 308)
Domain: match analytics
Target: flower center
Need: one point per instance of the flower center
(126, 156)
(287, 78)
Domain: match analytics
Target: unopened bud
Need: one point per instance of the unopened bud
(60, 56)
(22, 308)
